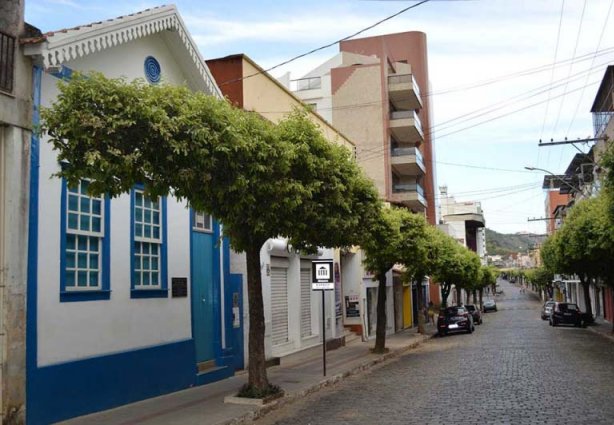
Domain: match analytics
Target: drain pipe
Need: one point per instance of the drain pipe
(222, 288)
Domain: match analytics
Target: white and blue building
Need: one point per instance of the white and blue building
(131, 297)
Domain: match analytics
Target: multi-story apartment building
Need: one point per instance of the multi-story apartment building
(372, 91)
(464, 221)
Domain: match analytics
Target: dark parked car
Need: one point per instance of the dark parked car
(475, 312)
(566, 313)
(454, 319)
(490, 305)
(547, 309)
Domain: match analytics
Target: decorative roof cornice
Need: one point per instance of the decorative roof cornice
(56, 48)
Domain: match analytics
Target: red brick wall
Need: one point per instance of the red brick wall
(225, 70)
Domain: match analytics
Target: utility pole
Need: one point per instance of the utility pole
(569, 142)
(540, 219)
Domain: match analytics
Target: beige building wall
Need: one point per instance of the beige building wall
(359, 113)
(265, 95)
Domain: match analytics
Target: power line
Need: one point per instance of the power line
(326, 46)
(558, 115)
(556, 51)
(575, 49)
(605, 24)
(491, 107)
(381, 151)
(521, 73)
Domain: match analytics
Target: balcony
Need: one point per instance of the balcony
(406, 127)
(403, 91)
(407, 161)
(409, 194)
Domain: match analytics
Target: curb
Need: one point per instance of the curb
(329, 381)
(609, 335)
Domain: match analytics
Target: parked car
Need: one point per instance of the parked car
(490, 305)
(475, 312)
(547, 309)
(454, 319)
(566, 313)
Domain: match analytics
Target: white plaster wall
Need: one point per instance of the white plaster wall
(295, 342)
(75, 330)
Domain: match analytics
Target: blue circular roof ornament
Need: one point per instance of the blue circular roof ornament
(153, 71)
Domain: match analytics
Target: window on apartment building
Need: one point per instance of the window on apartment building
(202, 222)
(85, 242)
(148, 246)
(7, 61)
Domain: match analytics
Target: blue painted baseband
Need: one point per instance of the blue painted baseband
(77, 388)
(214, 375)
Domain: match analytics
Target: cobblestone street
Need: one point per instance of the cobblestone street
(514, 369)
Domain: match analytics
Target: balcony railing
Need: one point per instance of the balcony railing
(404, 79)
(406, 151)
(395, 152)
(407, 187)
(401, 115)
(311, 83)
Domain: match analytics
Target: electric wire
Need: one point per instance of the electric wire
(556, 52)
(326, 46)
(605, 25)
(380, 151)
(558, 115)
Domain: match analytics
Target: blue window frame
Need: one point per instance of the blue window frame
(148, 246)
(84, 245)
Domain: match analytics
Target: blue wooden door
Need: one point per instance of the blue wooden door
(203, 294)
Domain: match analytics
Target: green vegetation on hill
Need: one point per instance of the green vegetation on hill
(505, 244)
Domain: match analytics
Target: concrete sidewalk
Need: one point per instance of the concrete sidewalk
(298, 375)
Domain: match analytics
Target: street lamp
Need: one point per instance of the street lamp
(555, 176)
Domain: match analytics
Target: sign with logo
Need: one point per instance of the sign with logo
(322, 275)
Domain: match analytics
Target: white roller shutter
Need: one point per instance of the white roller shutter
(305, 302)
(279, 305)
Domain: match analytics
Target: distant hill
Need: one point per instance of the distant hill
(505, 244)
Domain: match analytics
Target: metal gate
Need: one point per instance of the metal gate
(279, 305)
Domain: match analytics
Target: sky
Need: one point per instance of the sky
(504, 74)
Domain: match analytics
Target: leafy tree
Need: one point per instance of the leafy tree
(585, 243)
(469, 272)
(395, 237)
(261, 181)
(487, 276)
(541, 278)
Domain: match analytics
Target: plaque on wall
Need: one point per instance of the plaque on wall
(179, 287)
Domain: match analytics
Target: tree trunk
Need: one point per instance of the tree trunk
(257, 377)
(459, 300)
(475, 296)
(586, 284)
(421, 306)
(612, 315)
(445, 292)
(380, 331)
(481, 298)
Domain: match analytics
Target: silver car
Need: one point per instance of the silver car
(547, 309)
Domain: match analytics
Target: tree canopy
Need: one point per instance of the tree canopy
(259, 179)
